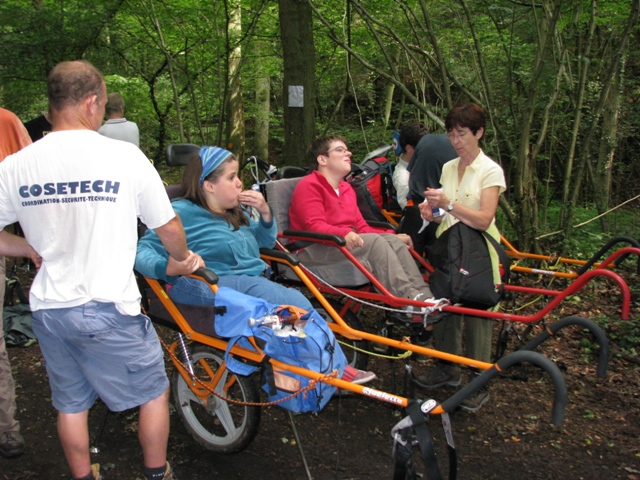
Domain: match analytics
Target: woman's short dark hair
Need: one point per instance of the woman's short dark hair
(320, 146)
(470, 115)
(192, 190)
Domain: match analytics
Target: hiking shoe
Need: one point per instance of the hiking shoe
(359, 377)
(95, 470)
(11, 444)
(476, 400)
(412, 310)
(425, 338)
(384, 331)
(439, 376)
(169, 474)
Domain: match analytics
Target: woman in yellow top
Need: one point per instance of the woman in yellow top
(471, 186)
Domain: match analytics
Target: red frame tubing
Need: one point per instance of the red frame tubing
(388, 298)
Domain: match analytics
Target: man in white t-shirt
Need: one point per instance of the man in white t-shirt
(116, 126)
(78, 196)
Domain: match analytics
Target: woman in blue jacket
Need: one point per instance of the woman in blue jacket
(211, 206)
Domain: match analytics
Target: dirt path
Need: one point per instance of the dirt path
(511, 437)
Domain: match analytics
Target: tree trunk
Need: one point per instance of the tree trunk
(609, 75)
(608, 141)
(524, 188)
(444, 76)
(263, 94)
(567, 207)
(388, 103)
(235, 118)
(296, 32)
(169, 58)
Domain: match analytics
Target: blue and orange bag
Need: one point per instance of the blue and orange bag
(311, 345)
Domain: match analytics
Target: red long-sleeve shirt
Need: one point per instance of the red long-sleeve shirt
(316, 207)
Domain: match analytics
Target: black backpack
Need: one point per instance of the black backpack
(463, 271)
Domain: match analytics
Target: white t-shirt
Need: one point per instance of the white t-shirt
(77, 196)
(400, 179)
(121, 129)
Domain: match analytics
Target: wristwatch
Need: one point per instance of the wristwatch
(450, 206)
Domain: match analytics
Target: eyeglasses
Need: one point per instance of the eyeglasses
(457, 136)
(337, 149)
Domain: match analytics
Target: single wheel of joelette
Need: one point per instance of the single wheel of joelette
(217, 425)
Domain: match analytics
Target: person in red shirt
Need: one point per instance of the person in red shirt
(323, 202)
(13, 135)
(13, 138)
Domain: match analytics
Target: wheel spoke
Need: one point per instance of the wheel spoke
(186, 394)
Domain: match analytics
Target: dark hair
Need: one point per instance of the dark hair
(320, 146)
(191, 189)
(69, 83)
(115, 103)
(470, 115)
(410, 134)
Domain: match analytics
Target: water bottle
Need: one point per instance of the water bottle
(272, 321)
(253, 213)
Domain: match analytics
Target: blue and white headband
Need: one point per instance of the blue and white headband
(212, 158)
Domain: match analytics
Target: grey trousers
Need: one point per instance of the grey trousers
(447, 335)
(384, 255)
(7, 387)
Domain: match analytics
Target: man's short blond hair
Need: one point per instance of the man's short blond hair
(69, 83)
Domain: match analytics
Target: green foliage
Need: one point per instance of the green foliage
(37, 35)
(585, 240)
(624, 333)
(170, 175)
(169, 59)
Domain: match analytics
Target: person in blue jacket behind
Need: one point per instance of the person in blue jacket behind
(212, 206)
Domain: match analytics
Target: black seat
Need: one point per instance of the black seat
(179, 154)
(290, 171)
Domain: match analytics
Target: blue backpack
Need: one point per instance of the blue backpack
(311, 345)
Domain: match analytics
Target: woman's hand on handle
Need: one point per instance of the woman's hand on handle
(353, 240)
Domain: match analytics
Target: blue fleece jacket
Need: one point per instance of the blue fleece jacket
(223, 250)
